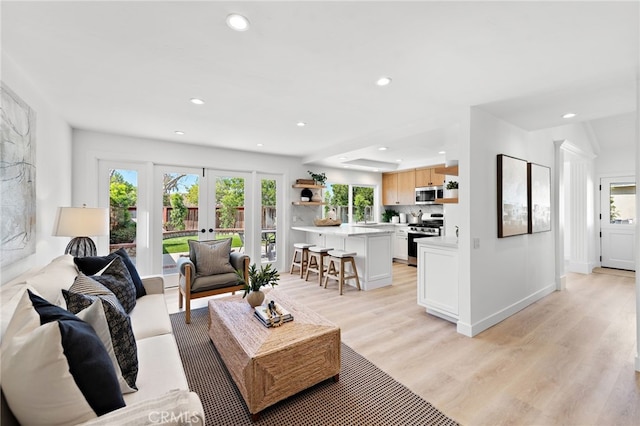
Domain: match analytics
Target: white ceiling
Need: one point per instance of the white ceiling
(131, 68)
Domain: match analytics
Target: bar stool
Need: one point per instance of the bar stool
(341, 258)
(316, 262)
(303, 250)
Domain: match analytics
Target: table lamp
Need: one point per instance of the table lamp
(79, 223)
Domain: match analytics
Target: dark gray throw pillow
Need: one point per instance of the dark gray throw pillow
(81, 295)
(116, 278)
(91, 265)
(211, 258)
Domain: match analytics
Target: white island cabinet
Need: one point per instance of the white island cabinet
(374, 248)
(438, 276)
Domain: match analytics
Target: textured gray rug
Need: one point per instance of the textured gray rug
(365, 395)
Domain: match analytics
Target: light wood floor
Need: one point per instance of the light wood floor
(565, 360)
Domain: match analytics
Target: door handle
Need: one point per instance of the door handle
(210, 229)
(203, 230)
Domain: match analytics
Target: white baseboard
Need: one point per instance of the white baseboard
(579, 267)
(493, 319)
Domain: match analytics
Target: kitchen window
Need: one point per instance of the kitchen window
(352, 203)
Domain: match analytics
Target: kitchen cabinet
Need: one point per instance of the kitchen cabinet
(438, 277)
(398, 188)
(400, 245)
(429, 176)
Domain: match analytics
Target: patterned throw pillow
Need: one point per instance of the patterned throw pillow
(91, 265)
(116, 278)
(81, 295)
(211, 257)
(55, 369)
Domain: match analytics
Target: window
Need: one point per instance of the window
(351, 203)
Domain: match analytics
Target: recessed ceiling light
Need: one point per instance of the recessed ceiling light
(237, 22)
(259, 144)
(569, 115)
(179, 132)
(383, 81)
(382, 148)
(301, 124)
(346, 167)
(342, 158)
(197, 101)
(399, 160)
(442, 152)
(376, 170)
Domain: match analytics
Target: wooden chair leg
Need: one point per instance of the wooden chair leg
(355, 272)
(187, 315)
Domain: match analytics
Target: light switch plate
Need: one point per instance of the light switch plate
(476, 243)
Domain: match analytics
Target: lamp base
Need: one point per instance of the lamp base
(81, 247)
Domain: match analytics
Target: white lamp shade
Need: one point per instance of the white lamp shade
(81, 222)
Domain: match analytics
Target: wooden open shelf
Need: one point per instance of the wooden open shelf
(451, 170)
(299, 185)
(308, 203)
(447, 200)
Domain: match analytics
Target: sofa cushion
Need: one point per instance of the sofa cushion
(211, 257)
(91, 265)
(55, 276)
(150, 317)
(55, 369)
(117, 278)
(81, 295)
(160, 368)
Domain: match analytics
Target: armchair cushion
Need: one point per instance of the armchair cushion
(211, 257)
(212, 282)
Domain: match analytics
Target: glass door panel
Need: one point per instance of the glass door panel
(123, 215)
(180, 216)
(229, 207)
(269, 220)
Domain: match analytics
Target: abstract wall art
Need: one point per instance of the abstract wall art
(17, 177)
(513, 210)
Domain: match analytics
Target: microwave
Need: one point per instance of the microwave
(428, 194)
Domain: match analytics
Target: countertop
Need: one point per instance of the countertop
(344, 230)
(441, 242)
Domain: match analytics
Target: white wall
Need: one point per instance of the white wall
(53, 169)
(505, 274)
(89, 147)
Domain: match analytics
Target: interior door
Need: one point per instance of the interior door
(618, 222)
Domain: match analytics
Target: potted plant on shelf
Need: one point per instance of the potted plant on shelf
(452, 189)
(258, 278)
(319, 178)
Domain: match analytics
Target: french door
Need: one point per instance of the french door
(618, 222)
(196, 204)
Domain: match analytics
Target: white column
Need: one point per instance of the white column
(637, 144)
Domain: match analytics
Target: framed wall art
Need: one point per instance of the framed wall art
(539, 178)
(17, 177)
(513, 206)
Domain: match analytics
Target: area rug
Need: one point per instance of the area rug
(364, 395)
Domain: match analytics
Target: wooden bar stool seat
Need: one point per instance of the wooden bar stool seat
(316, 262)
(338, 260)
(301, 262)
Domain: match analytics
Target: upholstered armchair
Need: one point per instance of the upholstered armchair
(210, 269)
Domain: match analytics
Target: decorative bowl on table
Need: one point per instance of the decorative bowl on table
(327, 222)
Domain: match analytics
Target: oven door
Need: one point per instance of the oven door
(412, 250)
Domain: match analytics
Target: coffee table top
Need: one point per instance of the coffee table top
(238, 319)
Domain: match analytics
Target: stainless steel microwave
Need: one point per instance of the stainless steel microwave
(428, 194)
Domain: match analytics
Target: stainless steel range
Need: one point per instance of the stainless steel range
(427, 228)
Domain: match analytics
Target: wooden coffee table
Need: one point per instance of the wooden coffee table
(271, 364)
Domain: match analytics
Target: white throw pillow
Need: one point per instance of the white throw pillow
(57, 373)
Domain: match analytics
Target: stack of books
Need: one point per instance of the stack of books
(272, 314)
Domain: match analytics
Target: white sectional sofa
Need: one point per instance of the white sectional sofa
(161, 380)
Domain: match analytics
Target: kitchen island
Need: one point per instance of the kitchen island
(374, 248)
